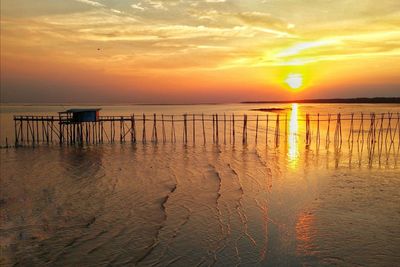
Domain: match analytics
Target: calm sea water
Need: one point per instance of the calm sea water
(197, 205)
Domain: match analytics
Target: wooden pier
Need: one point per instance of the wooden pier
(379, 134)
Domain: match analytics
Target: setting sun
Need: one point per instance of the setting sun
(294, 80)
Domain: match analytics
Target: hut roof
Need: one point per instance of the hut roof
(78, 110)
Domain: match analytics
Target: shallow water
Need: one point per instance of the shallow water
(188, 205)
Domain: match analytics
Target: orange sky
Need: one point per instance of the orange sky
(177, 51)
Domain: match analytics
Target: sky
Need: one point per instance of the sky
(206, 51)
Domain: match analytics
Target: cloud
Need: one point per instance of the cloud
(157, 4)
(261, 19)
(296, 49)
(138, 6)
(91, 3)
(116, 11)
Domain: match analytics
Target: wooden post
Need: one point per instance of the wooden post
(173, 135)
(308, 130)
(163, 128)
(216, 127)
(61, 129)
(52, 129)
(134, 128)
(224, 129)
(380, 138)
(388, 130)
(185, 128)
(256, 128)
(194, 128)
(204, 130)
(102, 130)
(338, 133)
(144, 129)
(113, 129)
(37, 130)
(22, 130)
(266, 129)
(277, 131)
(351, 131)
(327, 141)
(392, 137)
(154, 135)
(230, 130)
(318, 137)
(233, 129)
(120, 130)
(74, 135)
(27, 130)
(15, 132)
(244, 134)
(286, 125)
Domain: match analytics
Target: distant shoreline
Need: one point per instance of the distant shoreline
(358, 100)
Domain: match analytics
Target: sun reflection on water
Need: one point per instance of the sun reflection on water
(293, 153)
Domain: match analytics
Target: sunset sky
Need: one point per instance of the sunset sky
(185, 51)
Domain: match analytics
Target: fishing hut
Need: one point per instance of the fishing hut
(79, 115)
(79, 124)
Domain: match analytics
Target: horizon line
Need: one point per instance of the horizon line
(353, 100)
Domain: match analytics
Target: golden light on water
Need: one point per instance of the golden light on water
(293, 152)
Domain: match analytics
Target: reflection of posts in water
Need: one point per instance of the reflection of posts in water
(350, 138)
(277, 131)
(286, 126)
(308, 131)
(338, 133)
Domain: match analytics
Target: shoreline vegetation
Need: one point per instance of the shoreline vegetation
(359, 100)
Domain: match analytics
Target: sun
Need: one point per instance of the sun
(294, 80)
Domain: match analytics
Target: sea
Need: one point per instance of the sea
(290, 202)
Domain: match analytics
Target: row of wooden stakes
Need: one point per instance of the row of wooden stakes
(372, 129)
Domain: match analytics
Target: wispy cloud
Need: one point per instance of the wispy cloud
(296, 49)
(138, 6)
(90, 2)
